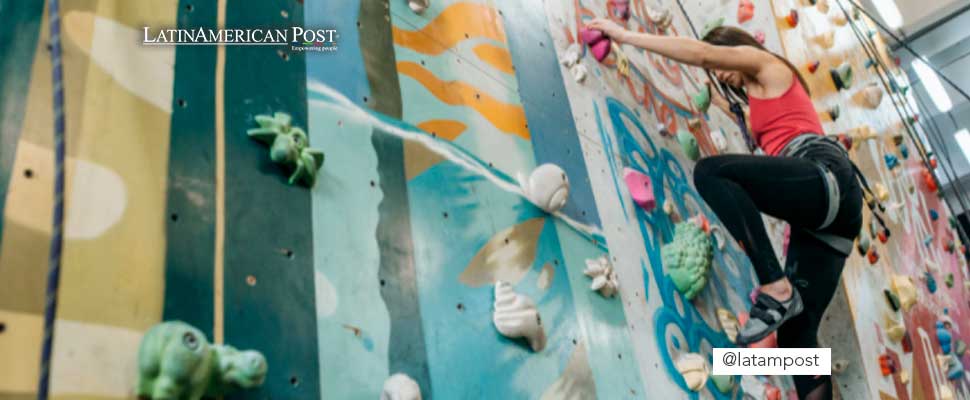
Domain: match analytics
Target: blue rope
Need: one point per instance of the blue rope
(57, 227)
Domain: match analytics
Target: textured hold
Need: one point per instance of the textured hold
(702, 99)
(891, 161)
(688, 143)
(792, 18)
(729, 324)
(869, 63)
(400, 387)
(693, 368)
(960, 348)
(905, 291)
(175, 361)
(723, 383)
(419, 6)
(745, 11)
(547, 187)
(934, 215)
(688, 258)
(641, 189)
(604, 279)
(842, 76)
(289, 146)
(872, 95)
(710, 25)
(516, 316)
(813, 66)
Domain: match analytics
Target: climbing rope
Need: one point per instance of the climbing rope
(57, 227)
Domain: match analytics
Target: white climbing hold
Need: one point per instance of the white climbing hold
(729, 324)
(872, 95)
(719, 238)
(826, 40)
(547, 187)
(579, 73)
(894, 330)
(945, 392)
(823, 6)
(905, 291)
(572, 55)
(719, 140)
(604, 279)
(693, 368)
(400, 387)
(418, 6)
(660, 18)
(516, 316)
(904, 377)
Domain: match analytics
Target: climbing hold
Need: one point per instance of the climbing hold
(702, 99)
(823, 6)
(904, 376)
(897, 138)
(813, 66)
(842, 76)
(622, 63)
(719, 140)
(863, 132)
(710, 25)
(669, 208)
(904, 289)
(662, 130)
(949, 280)
(953, 222)
(598, 43)
(896, 88)
(950, 246)
(891, 299)
(729, 324)
(826, 40)
(952, 365)
(930, 282)
(932, 160)
(886, 365)
(759, 35)
(838, 19)
(845, 140)
(579, 73)
(928, 241)
(547, 187)
(907, 344)
(891, 161)
(881, 192)
(660, 18)
(833, 113)
(693, 368)
(945, 392)
(839, 366)
(289, 146)
(688, 258)
(943, 337)
(871, 95)
(913, 119)
(872, 256)
(571, 55)
(929, 181)
(904, 151)
(688, 143)
(641, 189)
(869, 63)
(723, 383)
(400, 387)
(516, 316)
(175, 361)
(619, 9)
(745, 11)
(792, 18)
(604, 279)
(883, 236)
(863, 244)
(934, 215)
(960, 348)
(894, 330)
(418, 6)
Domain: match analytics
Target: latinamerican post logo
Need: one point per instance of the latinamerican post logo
(298, 38)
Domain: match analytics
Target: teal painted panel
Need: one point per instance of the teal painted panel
(18, 42)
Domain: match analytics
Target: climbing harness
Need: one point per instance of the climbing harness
(802, 146)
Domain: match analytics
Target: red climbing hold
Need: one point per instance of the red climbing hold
(872, 256)
(886, 365)
(812, 67)
(745, 11)
(933, 163)
(792, 18)
(883, 238)
(846, 141)
(929, 181)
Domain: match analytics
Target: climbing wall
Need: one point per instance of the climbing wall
(387, 265)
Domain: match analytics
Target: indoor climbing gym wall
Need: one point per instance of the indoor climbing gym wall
(465, 199)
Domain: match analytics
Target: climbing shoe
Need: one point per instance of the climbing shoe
(767, 314)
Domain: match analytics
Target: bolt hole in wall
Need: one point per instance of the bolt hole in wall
(3, 327)
(284, 55)
(288, 253)
(181, 103)
(294, 381)
(28, 173)
(174, 217)
(189, 7)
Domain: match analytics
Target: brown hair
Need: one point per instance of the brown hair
(731, 36)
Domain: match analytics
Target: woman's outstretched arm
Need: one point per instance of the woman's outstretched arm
(746, 59)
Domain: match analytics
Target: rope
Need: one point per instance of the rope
(57, 227)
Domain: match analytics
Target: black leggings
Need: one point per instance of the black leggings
(740, 187)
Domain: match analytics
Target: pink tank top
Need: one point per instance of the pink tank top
(776, 121)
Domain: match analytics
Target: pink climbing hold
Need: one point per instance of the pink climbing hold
(620, 9)
(598, 43)
(641, 189)
(760, 36)
(745, 11)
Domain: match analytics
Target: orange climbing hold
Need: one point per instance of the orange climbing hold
(929, 181)
(886, 365)
(872, 256)
(813, 66)
(745, 11)
(792, 18)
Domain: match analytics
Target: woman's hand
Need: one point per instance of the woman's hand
(609, 28)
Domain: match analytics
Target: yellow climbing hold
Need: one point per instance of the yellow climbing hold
(905, 291)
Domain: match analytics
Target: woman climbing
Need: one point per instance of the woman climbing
(804, 178)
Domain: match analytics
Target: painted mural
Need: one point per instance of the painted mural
(388, 264)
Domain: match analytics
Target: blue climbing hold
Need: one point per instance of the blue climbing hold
(930, 282)
(891, 161)
(934, 215)
(904, 151)
(944, 337)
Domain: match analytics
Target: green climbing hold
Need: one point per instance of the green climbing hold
(688, 143)
(960, 348)
(688, 258)
(892, 299)
(702, 100)
(723, 383)
(289, 146)
(949, 280)
(175, 361)
(842, 76)
(710, 25)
